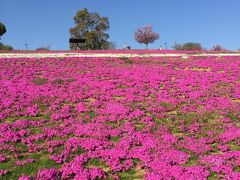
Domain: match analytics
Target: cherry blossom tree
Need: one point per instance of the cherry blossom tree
(218, 47)
(146, 35)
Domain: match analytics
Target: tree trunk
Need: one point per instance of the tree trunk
(146, 46)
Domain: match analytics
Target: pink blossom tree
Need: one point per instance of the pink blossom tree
(146, 35)
(218, 48)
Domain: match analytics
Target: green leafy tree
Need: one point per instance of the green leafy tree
(112, 45)
(2, 29)
(190, 46)
(43, 48)
(5, 47)
(91, 27)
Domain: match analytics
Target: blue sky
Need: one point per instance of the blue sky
(47, 22)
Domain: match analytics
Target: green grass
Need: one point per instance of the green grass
(165, 104)
(233, 116)
(69, 80)
(21, 147)
(132, 174)
(171, 123)
(35, 130)
(58, 149)
(115, 138)
(214, 150)
(40, 81)
(116, 124)
(74, 154)
(94, 162)
(139, 126)
(40, 104)
(91, 114)
(127, 60)
(57, 81)
(41, 162)
(213, 176)
(233, 146)
(193, 161)
(36, 118)
(127, 175)
(237, 169)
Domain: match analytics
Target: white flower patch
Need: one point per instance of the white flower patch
(59, 55)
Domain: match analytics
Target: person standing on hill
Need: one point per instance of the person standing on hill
(124, 46)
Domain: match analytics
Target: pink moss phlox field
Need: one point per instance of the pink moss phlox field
(119, 118)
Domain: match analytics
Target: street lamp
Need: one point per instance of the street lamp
(166, 45)
(26, 46)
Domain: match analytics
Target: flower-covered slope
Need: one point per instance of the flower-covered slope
(120, 118)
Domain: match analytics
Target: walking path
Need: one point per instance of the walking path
(47, 55)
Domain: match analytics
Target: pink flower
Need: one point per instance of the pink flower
(32, 110)
(48, 174)
(3, 172)
(23, 177)
(81, 108)
(2, 158)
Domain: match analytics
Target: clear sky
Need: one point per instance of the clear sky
(47, 22)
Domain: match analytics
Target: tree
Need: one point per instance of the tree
(2, 29)
(190, 46)
(91, 27)
(112, 45)
(5, 47)
(146, 35)
(218, 48)
(43, 48)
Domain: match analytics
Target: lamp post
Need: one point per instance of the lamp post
(166, 45)
(26, 46)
